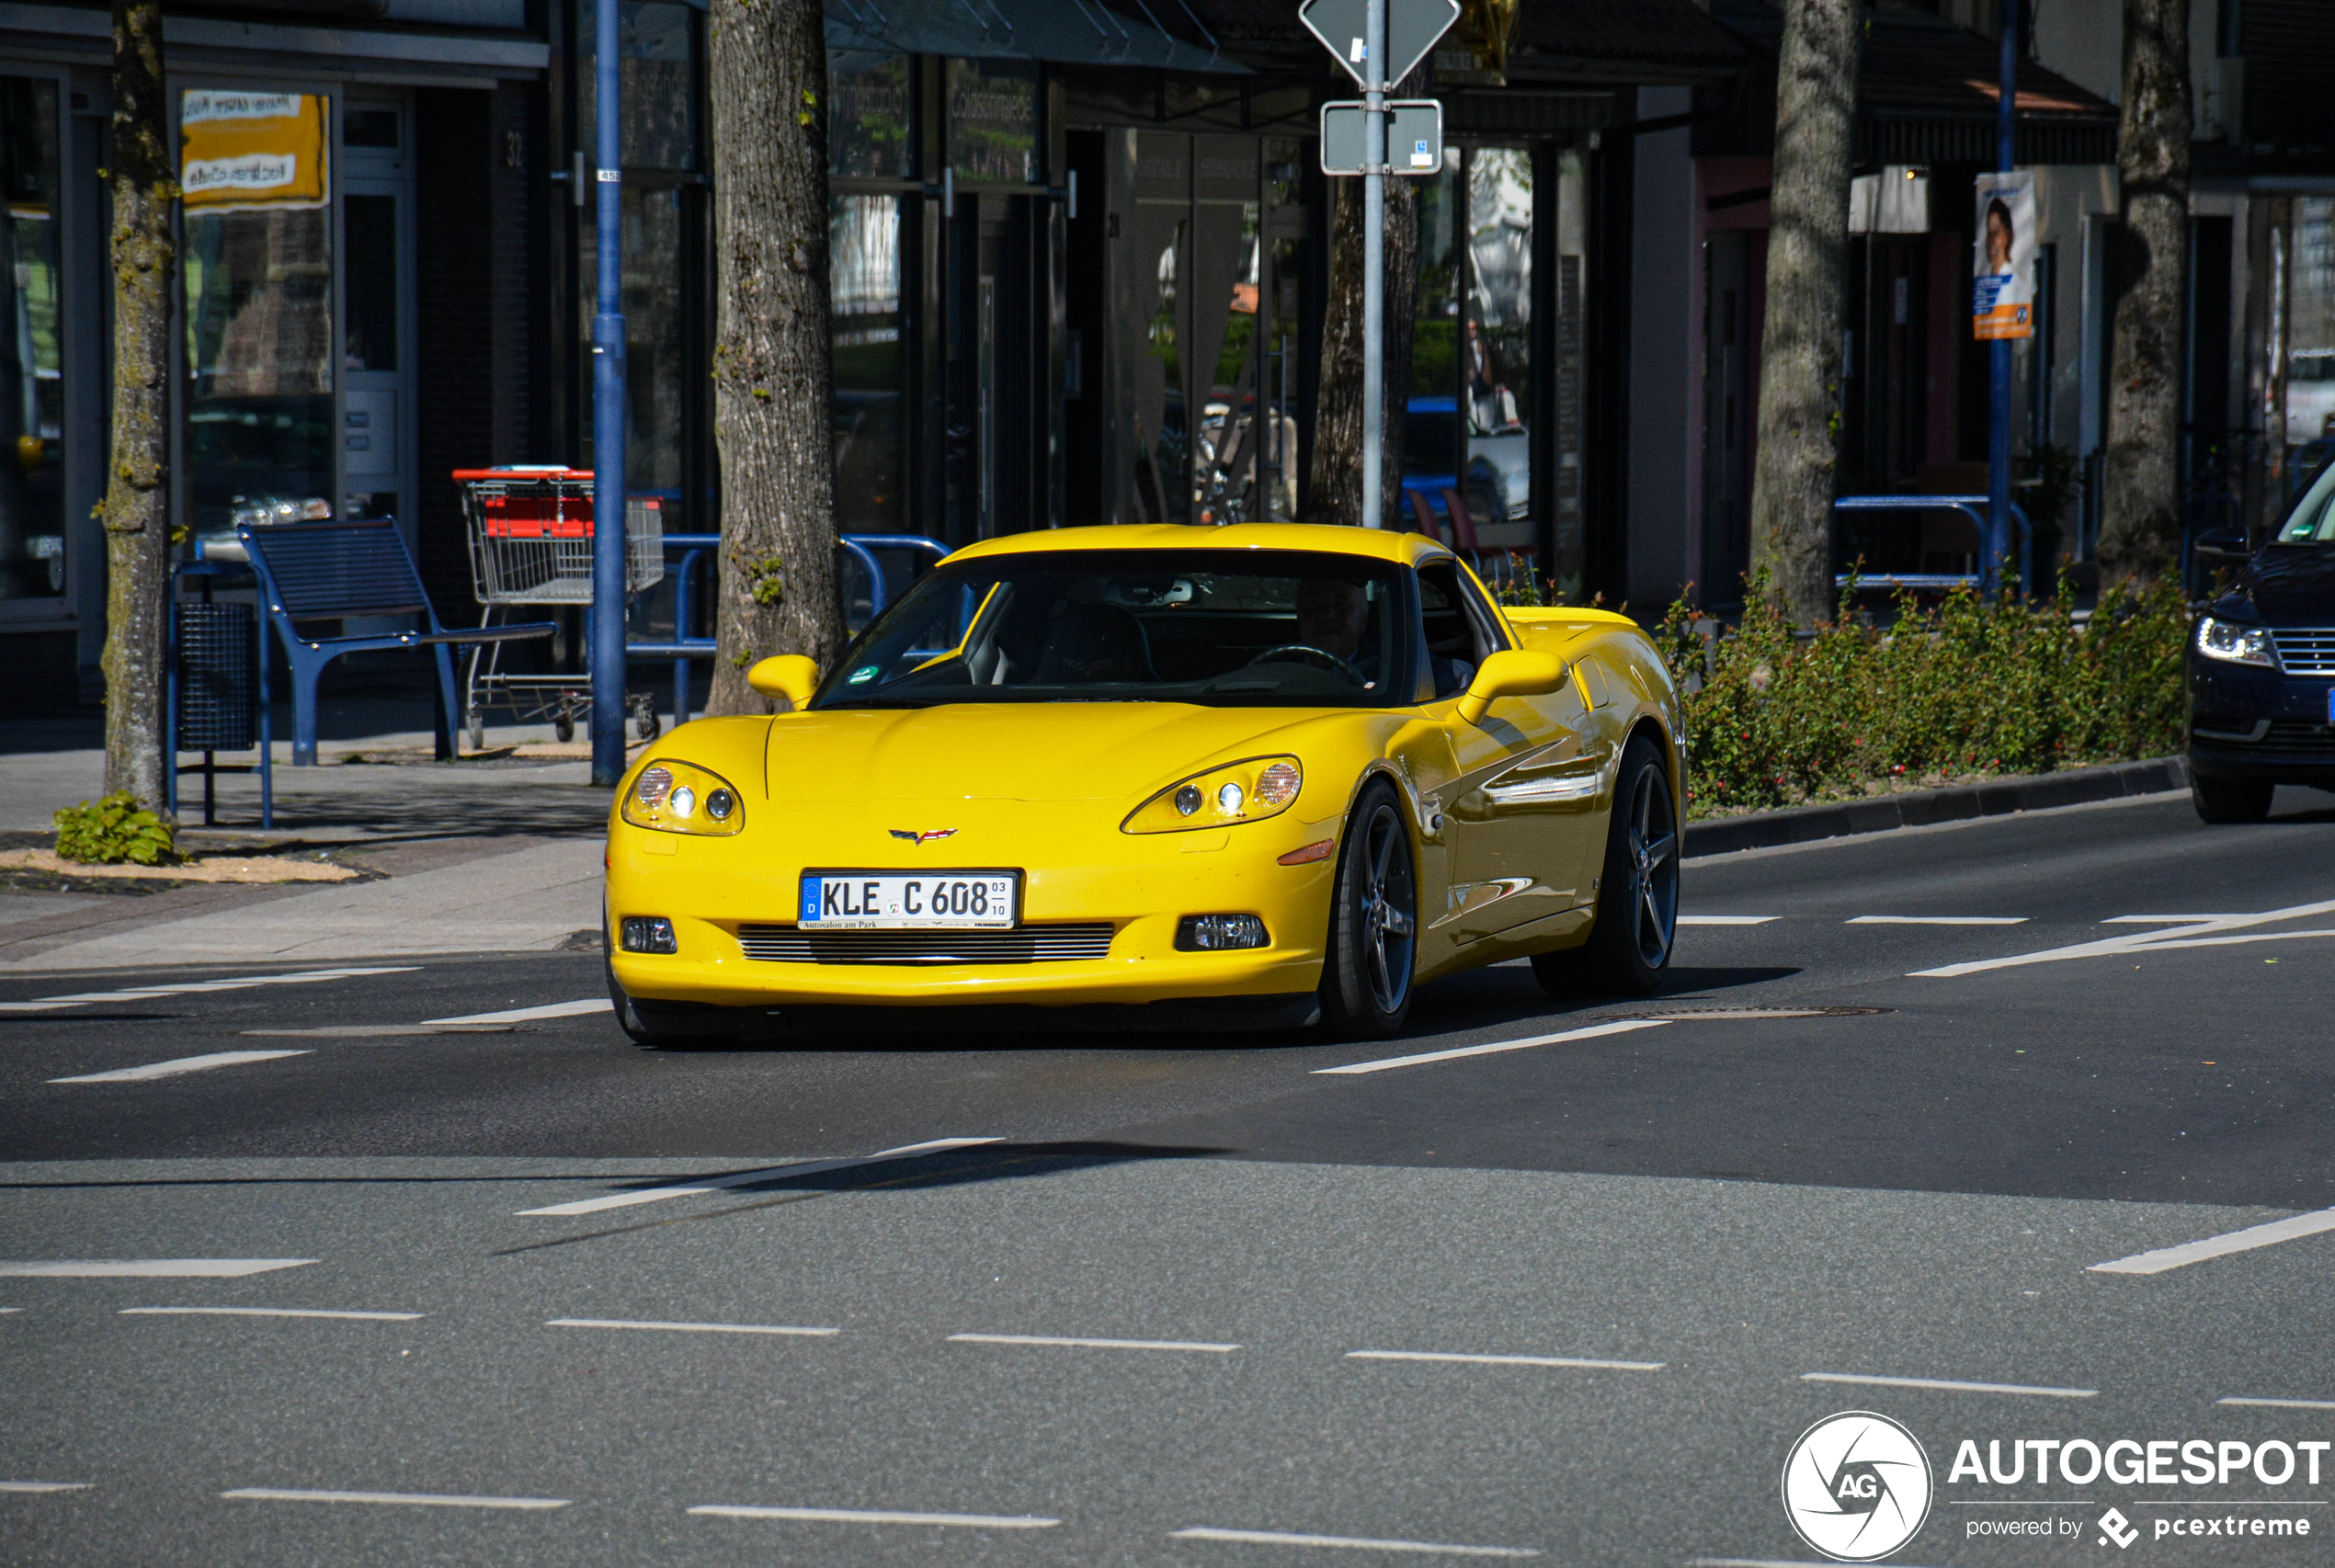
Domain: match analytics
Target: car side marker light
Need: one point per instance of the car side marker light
(1311, 853)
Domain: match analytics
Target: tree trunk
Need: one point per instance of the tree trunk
(2140, 495)
(1793, 487)
(135, 510)
(1335, 470)
(772, 376)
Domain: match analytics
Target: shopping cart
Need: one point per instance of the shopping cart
(530, 533)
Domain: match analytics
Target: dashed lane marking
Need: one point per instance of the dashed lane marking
(2166, 919)
(1725, 919)
(178, 1066)
(2280, 1403)
(1495, 1047)
(692, 1327)
(267, 1313)
(1949, 1385)
(44, 1485)
(1936, 920)
(877, 1517)
(746, 1178)
(1349, 1542)
(1580, 1361)
(149, 1267)
(581, 1008)
(196, 987)
(397, 1499)
(1093, 1344)
(2247, 1240)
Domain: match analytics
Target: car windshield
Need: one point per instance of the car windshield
(2313, 519)
(1222, 628)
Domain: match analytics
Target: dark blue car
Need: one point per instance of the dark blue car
(2261, 665)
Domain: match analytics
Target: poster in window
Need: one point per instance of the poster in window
(251, 151)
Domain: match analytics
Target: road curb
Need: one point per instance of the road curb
(1997, 797)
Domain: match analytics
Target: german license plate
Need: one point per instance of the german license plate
(845, 901)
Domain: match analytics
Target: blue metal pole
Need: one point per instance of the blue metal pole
(607, 417)
(1999, 428)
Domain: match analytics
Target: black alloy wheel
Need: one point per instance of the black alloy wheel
(1637, 900)
(1373, 923)
(2230, 800)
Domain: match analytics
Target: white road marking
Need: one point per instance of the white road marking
(1725, 919)
(575, 1009)
(690, 1327)
(268, 1312)
(2282, 1404)
(196, 987)
(1936, 920)
(746, 1178)
(1351, 1542)
(2205, 932)
(1506, 1361)
(1778, 1562)
(2166, 919)
(177, 1065)
(1093, 1344)
(878, 1516)
(407, 1499)
(1949, 1384)
(5, 1311)
(1622, 1026)
(149, 1267)
(44, 1485)
(2247, 1240)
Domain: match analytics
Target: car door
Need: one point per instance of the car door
(1523, 807)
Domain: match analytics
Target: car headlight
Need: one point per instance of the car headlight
(679, 796)
(1239, 791)
(2234, 643)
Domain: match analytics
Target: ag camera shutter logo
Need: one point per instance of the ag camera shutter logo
(1857, 1486)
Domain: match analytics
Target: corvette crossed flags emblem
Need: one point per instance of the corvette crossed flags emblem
(913, 836)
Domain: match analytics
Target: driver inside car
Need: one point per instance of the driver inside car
(1332, 615)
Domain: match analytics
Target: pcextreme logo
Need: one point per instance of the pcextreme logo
(1857, 1486)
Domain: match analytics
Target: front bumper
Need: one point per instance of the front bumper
(2249, 722)
(1075, 872)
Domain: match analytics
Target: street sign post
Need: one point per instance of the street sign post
(1378, 42)
(1414, 137)
(1412, 28)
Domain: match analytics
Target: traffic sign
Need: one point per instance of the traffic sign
(1412, 28)
(1414, 137)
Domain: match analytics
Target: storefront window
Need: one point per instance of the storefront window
(993, 120)
(871, 472)
(32, 545)
(2310, 340)
(1496, 349)
(870, 116)
(259, 317)
(1431, 433)
(657, 78)
(655, 400)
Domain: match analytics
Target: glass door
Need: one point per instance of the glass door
(376, 414)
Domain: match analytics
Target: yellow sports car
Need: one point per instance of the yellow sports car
(1268, 775)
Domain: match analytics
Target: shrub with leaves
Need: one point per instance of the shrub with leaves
(1963, 687)
(115, 830)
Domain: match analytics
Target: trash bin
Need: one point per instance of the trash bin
(218, 690)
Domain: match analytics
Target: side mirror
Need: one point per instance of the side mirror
(1512, 672)
(2228, 543)
(789, 676)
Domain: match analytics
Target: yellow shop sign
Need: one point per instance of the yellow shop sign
(251, 149)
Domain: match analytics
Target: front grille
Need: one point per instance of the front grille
(1029, 944)
(2297, 738)
(2306, 650)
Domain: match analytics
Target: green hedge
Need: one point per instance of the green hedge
(1959, 688)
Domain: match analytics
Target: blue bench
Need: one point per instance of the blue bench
(351, 571)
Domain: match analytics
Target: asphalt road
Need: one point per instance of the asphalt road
(1813, 1163)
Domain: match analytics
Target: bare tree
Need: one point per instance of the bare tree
(772, 375)
(135, 510)
(1793, 487)
(1336, 469)
(2140, 498)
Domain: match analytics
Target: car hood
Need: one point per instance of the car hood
(2291, 585)
(1035, 751)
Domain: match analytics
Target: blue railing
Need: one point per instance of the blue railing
(1971, 506)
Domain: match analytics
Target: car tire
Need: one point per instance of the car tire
(1373, 922)
(1637, 903)
(2230, 800)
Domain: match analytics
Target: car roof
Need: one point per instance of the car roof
(1375, 544)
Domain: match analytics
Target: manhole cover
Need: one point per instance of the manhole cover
(1721, 1014)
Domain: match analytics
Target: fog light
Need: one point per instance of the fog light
(1187, 799)
(719, 805)
(646, 934)
(1219, 933)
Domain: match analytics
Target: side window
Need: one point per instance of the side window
(1460, 629)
